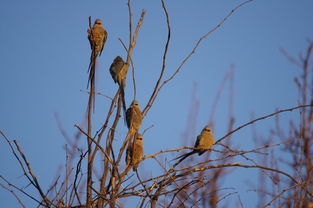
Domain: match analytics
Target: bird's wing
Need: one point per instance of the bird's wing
(137, 117)
(89, 37)
(129, 116)
(128, 154)
(104, 39)
(197, 141)
(115, 69)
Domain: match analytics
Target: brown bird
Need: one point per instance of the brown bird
(118, 71)
(97, 37)
(134, 116)
(134, 152)
(204, 141)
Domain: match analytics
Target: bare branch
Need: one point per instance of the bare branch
(14, 194)
(155, 91)
(261, 118)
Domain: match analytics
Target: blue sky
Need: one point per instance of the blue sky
(45, 54)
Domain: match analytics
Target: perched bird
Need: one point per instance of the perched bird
(133, 116)
(97, 37)
(134, 152)
(118, 70)
(204, 141)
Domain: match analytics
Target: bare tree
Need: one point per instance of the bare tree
(296, 142)
(179, 185)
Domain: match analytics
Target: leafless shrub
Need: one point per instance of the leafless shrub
(192, 183)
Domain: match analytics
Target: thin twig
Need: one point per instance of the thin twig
(21, 190)
(281, 193)
(37, 186)
(261, 118)
(98, 93)
(155, 91)
(133, 69)
(14, 194)
(95, 142)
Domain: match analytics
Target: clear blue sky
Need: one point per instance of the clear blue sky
(44, 56)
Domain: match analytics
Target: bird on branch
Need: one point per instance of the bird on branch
(118, 71)
(97, 37)
(204, 141)
(134, 152)
(133, 116)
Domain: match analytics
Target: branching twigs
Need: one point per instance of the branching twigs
(243, 166)
(92, 154)
(261, 118)
(233, 131)
(200, 40)
(78, 170)
(176, 192)
(114, 171)
(96, 143)
(160, 186)
(175, 182)
(20, 190)
(132, 43)
(299, 145)
(157, 87)
(281, 193)
(14, 194)
(108, 148)
(236, 153)
(17, 157)
(167, 150)
(133, 69)
(143, 185)
(98, 93)
(30, 175)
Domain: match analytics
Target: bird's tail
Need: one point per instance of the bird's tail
(201, 152)
(91, 79)
(122, 94)
(183, 157)
(91, 68)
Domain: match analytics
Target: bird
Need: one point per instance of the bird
(118, 71)
(97, 37)
(134, 116)
(134, 152)
(204, 141)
